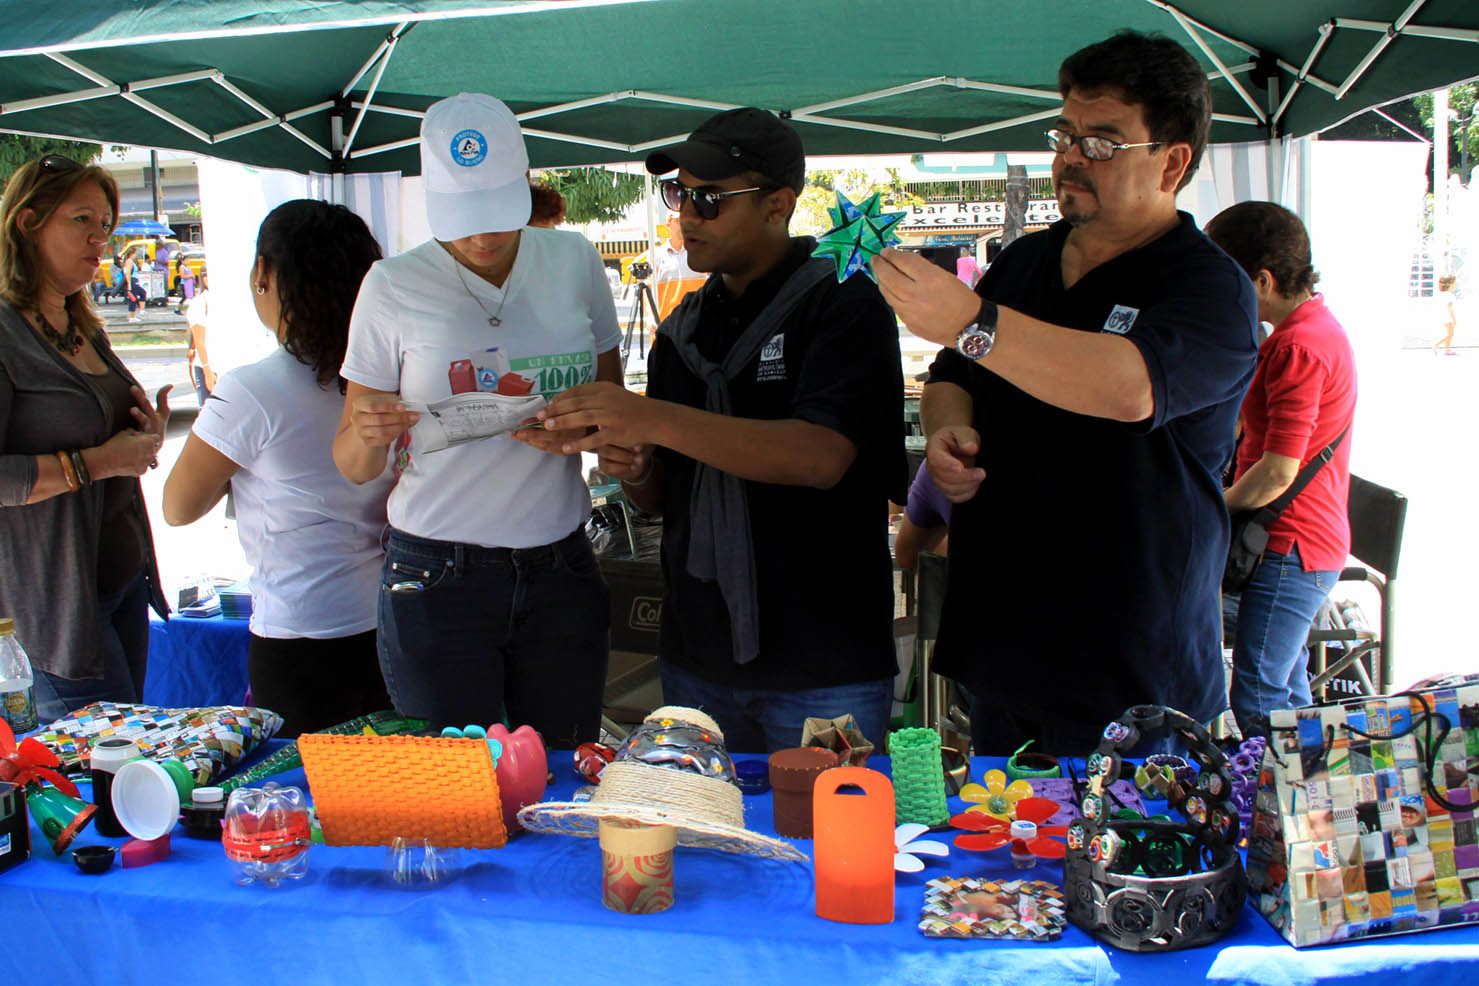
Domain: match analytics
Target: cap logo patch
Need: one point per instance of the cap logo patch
(469, 148)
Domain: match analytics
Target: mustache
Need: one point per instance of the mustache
(1077, 176)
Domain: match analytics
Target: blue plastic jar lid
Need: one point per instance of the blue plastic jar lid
(752, 776)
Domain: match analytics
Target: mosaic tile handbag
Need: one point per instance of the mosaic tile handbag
(1364, 820)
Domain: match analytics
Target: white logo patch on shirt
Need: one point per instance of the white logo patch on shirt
(772, 364)
(1121, 317)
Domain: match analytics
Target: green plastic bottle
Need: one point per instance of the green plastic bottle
(17, 681)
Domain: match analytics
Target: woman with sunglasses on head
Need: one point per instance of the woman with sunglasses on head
(491, 601)
(76, 432)
(311, 536)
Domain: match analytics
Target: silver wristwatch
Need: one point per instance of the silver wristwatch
(976, 339)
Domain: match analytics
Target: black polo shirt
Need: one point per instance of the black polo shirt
(1084, 573)
(823, 571)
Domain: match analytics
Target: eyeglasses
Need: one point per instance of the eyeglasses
(1093, 148)
(706, 204)
(58, 164)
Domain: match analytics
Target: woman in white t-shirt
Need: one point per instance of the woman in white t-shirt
(267, 429)
(491, 603)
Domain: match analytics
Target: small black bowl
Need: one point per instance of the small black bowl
(94, 859)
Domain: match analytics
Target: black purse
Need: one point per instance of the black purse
(1250, 527)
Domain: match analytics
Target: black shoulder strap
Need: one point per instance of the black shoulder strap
(1303, 479)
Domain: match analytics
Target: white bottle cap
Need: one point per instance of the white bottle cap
(207, 796)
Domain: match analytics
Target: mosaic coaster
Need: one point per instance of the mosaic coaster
(973, 907)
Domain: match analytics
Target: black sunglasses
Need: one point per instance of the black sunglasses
(58, 164)
(706, 204)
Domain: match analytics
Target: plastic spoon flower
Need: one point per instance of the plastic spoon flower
(997, 798)
(1025, 832)
(905, 847)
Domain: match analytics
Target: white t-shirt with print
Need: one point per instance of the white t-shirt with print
(418, 330)
(311, 536)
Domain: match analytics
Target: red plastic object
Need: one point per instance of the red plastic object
(523, 770)
(514, 385)
(855, 846)
(591, 759)
(993, 833)
(141, 852)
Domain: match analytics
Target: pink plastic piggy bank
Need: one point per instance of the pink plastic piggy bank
(523, 770)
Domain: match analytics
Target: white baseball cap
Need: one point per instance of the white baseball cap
(475, 166)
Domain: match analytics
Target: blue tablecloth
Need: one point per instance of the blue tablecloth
(532, 913)
(196, 661)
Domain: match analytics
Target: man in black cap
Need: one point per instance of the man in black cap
(770, 438)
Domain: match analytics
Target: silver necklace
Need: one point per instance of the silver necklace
(493, 318)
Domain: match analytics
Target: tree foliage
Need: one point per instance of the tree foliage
(1461, 100)
(17, 149)
(595, 194)
(819, 195)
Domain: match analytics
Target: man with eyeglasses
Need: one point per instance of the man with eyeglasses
(770, 438)
(1080, 417)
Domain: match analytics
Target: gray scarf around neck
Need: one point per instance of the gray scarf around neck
(720, 546)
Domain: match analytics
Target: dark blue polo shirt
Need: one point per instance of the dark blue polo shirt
(1084, 574)
(823, 571)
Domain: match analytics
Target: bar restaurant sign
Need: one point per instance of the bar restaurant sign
(937, 216)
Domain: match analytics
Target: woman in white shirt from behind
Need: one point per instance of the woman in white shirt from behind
(311, 536)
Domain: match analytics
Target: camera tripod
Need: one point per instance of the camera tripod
(637, 323)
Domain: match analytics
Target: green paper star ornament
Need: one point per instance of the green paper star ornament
(861, 233)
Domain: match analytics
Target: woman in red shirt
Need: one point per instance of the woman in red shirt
(1303, 397)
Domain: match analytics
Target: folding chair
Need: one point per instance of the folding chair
(1377, 516)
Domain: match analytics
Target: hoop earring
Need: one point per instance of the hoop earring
(261, 289)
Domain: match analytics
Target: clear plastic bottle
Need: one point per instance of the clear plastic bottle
(17, 681)
(267, 834)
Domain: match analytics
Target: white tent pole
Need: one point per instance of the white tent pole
(1302, 73)
(1399, 124)
(1412, 30)
(370, 94)
(336, 141)
(1212, 57)
(42, 102)
(1439, 246)
(1388, 34)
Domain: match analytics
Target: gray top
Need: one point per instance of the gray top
(49, 565)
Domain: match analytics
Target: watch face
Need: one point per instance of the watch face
(973, 343)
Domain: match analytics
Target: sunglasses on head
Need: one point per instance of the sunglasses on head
(58, 163)
(706, 204)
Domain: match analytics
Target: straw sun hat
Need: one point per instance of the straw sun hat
(673, 770)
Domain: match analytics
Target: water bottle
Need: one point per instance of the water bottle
(17, 681)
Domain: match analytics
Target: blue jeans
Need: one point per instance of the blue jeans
(468, 634)
(123, 639)
(756, 720)
(1268, 625)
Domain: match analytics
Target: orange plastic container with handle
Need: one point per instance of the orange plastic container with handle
(854, 846)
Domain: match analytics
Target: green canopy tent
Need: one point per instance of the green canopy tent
(318, 85)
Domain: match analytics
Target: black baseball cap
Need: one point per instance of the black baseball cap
(746, 139)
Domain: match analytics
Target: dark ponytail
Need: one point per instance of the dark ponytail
(319, 254)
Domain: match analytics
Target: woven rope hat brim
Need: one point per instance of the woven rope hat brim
(707, 812)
